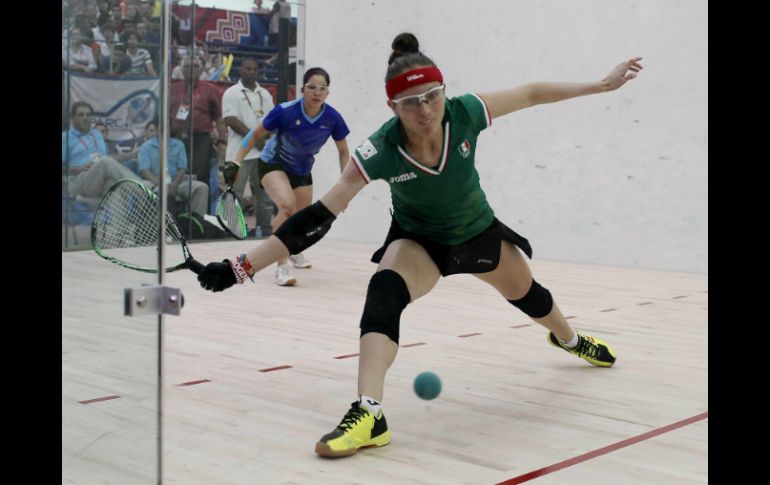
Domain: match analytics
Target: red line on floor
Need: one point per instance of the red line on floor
(345, 356)
(602, 451)
(521, 326)
(192, 383)
(469, 335)
(98, 399)
(414, 344)
(280, 367)
(609, 310)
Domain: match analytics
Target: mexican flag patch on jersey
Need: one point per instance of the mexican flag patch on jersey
(465, 149)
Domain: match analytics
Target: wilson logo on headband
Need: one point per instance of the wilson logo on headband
(415, 77)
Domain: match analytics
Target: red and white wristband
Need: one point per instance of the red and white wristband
(242, 269)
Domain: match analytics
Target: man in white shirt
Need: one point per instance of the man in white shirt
(80, 57)
(243, 106)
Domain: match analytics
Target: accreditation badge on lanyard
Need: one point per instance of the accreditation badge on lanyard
(183, 112)
(258, 111)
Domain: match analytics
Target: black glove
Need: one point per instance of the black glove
(217, 276)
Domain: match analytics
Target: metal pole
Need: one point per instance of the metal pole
(163, 134)
(283, 59)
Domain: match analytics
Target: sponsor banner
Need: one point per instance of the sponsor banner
(124, 105)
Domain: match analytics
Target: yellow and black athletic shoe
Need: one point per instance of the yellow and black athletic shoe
(358, 429)
(594, 350)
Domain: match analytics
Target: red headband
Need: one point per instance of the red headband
(411, 78)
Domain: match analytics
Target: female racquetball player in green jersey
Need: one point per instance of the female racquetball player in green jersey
(441, 224)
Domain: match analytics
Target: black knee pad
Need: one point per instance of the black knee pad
(537, 303)
(386, 298)
(305, 228)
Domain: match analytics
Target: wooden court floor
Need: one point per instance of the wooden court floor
(256, 374)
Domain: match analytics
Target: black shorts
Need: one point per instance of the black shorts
(480, 254)
(263, 168)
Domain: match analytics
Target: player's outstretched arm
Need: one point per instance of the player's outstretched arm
(501, 103)
(297, 233)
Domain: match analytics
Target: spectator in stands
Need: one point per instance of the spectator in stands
(141, 61)
(145, 10)
(92, 14)
(150, 130)
(193, 124)
(104, 8)
(125, 156)
(243, 106)
(117, 64)
(257, 8)
(85, 26)
(118, 22)
(132, 13)
(105, 37)
(215, 71)
(79, 56)
(180, 184)
(141, 33)
(153, 31)
(84, 157)
(177, 73)
(128, 29)
(281, 10)
(145, 40)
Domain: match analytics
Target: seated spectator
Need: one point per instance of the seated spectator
(144, 40)
(132, 14)
(79, 56)
(125, 155)
(117, 64)
(104, 37)
(83, 23)
(149, 168)
(216, 69)
(118, 22)
(145, 10)
(141, 61)
(84, 157)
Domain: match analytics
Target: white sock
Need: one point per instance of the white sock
(572, 343)
(371, 404)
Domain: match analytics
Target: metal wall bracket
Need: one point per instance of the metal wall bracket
(152, 300)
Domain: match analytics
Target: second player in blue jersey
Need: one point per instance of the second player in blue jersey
(300, 127)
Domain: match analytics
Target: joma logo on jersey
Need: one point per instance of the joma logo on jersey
(465, 148)
(402, 178)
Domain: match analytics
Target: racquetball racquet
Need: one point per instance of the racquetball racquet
(230, 214)
(125, 231)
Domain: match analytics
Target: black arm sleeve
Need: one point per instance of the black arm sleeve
(305, 228)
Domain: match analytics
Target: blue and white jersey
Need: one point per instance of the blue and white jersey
(299, 137)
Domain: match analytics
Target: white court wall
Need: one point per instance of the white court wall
(616, 179)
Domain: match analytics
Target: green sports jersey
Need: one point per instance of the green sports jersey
(445, 203)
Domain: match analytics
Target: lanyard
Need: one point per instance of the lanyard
(185, 97)
(259, 111)
(80, 139)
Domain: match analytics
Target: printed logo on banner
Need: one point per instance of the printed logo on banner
(123, 105)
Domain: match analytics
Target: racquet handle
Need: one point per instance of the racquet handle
(194, 266)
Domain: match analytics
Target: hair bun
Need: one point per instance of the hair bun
(405, 43)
